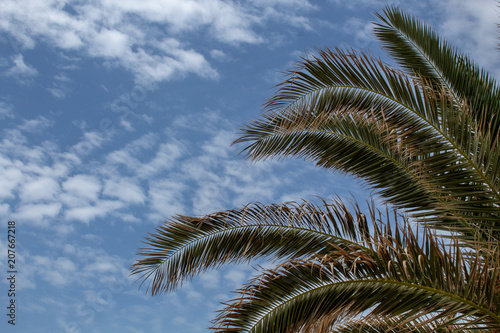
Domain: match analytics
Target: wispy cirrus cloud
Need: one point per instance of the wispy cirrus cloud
(6, 110)
(144, 37)
(150, 178)
(472, 27)
(36, 125)
(19, 70)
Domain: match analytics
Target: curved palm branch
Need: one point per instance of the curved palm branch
(335, 267)
(186, 246)
(410, 284)
(417, 48)
(432, 140)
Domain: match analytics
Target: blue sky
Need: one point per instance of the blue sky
(118, 114)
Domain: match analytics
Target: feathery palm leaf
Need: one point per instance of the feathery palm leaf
(417, 48)
(400, 279)
(335, 267)
(433, 138)
(186, 246)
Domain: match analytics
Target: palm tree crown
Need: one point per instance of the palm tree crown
(425, 135)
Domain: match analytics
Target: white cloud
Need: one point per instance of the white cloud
(361, 30)
(42, 188)
(127, 190)
(127, 125)
(41, 178)
(4, 209)
(79, 265)
(165, 157)
(69, 40)
(129, 218)
(143, 36)
(20, 70)
(6, 110)
(62, 77)
(163, 176)
(209, 122)
(90, 141)
(11, 178)
(60, 88)
(210, 279)
(220, 144)
(82, 187)
(298, 4)
(219, 55)
(209, 197)
(472, 27)
(101, 265)
(109, 44)
(236, 276)
(176, 62)
(36, 125)
(69, 249)
(91, 212)
(39, 214)
(290, 12)
(166, 198)
(356, 4)
(57, 93)
(66, 265)
(125, 156)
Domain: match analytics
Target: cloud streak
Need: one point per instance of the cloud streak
(144, 37)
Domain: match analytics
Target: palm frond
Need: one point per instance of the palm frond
(352, 113)
(186, 246)
(410, 283)
(349, 143)
(417, 48)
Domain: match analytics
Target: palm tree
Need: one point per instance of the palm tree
(426, 136)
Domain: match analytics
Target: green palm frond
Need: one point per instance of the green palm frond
(352, 144)
(381, 119)
(402, 279)
(186, 246)
(417, 48)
